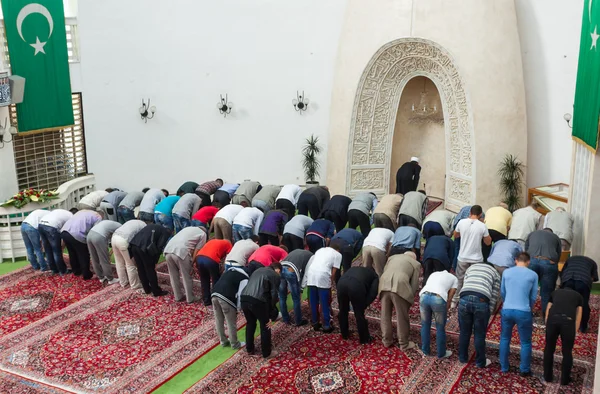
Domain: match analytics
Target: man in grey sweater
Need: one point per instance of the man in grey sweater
(413, 209)
(545, 248)
(360, 210)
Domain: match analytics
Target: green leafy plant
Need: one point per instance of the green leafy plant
(511, 173)
(310, 161)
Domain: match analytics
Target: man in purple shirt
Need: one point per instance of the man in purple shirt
(74, 234)
(271, 228)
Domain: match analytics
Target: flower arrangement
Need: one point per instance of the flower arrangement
(23, 198)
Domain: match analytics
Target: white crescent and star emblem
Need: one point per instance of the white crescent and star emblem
(35, 8)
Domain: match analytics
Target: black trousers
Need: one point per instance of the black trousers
(307, 203)
(286, 206)
(429, 267)
(146, 265)
(352, 291)
(253, 266)
(222, 198)
(563, 326)
(205, 199)
(261, 312)
(209, 270)
(292, 242)
(356, 219)
(348, 254)
(266, 239)
(584, 290)
(405, 220)
(381, 220)
(487, 249)
(338, 221)
(79, 255)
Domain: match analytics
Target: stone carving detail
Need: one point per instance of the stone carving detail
(376, 105)
(367, 179)
(460, 189)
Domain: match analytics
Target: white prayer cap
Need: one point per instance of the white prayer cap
(414, 159)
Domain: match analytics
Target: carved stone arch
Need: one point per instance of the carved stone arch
(376, 107)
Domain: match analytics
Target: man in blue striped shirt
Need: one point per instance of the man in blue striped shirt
(478, 299)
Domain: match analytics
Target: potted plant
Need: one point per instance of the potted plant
(310, 162)
(511, 172)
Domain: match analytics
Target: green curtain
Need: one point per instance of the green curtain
(587, 90)
(37, 45)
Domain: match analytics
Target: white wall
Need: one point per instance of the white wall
(550, 33)
(183, 57)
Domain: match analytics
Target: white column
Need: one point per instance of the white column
(579, 194)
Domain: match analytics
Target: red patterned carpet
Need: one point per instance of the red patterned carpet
(28, 296)
(13, 384)
(313, 362)
(116, 341)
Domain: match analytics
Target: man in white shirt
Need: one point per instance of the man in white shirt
(92, 200)
(561, 223)
(472, 232)
(32, 240)
(179, 253)
(524, 222)
(320, 275)
(376, 248)
(440, 288)
(246, 223)
(287, 199)
(240, 252)
(223, 221)
(49, 228)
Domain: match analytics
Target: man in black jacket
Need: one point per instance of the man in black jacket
(407, 177)
(259, 300)
(146, 248)
(578, 273)
(336, 211)
(312, 200)
(226, 301)
(359, 286)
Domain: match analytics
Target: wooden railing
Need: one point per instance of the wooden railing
(11, 242)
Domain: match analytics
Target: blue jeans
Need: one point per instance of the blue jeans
(548, 274)
(241, 232)
(164, 220)
(146, 217)
(31, 238)
(198, 223)
(524, 322)
(456, 251)
(52, 245)
(316, 295)
(180, 222)
(289, 278)
(125, 214)
(433, 305)
(473, 317)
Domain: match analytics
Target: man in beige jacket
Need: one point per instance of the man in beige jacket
(385, 214)
(397, 288)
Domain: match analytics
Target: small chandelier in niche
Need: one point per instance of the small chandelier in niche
(423, 112)
(300, 102)
(225, 106)
(146, 111)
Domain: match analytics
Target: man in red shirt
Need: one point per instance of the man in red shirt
(204, 216)
(209, 260)
(265, 256)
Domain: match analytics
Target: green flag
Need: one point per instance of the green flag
(37, 45)
(587, 91)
